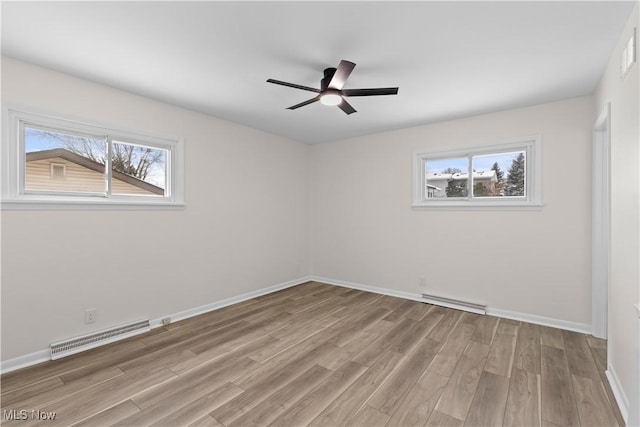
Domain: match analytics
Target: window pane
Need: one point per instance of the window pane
(499, 175)
(138, 170)
(56, 161)
(446, 178)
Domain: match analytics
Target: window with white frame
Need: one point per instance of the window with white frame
(500, 175)
(51, 161)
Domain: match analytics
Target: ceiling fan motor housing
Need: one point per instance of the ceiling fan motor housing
(328, 75)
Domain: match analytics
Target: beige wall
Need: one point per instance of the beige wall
(244, 227)
(364, 230)
(624, 287)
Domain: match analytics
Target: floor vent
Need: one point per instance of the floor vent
(473, 307)
(85, 342)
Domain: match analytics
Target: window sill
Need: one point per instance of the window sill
(480, 206)
(102, 204)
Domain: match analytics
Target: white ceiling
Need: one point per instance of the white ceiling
(450, 59)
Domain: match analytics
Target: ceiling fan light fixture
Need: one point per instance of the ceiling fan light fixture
(330, 98)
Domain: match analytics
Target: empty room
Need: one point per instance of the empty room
(315, 213)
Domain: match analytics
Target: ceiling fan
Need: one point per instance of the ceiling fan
(331, 92)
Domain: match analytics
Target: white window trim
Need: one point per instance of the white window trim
(533, 177)
(12, 191)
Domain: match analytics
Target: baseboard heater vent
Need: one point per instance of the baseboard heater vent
(473, 307)
(85, 342)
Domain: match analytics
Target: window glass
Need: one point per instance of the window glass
(446, 178)
(60, 162)
(499, 175)
(138, 169)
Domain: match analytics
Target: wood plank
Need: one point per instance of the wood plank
(485, 330)
(523, 402)
(371, 353)
(551, 337)
(300, 357)
(446, 360)
(579, 355)
(417, 406)
(206, 421)
(78, 385)
(182, 389)
(449, 320)
(100, 397)
(438, 419)
(558, 400)
(389, 396)
(201, 406)
(418, 311)
(457, 396)
(369, 417)
(527, 355)
(33, 389)
(270, 408)
(501, 354)
(593, 405)
(347, 404)
(312, 403)
(266, 383)
(110, 416)
(489, 401)
(223, 353)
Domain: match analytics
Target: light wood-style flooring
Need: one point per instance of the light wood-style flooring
(323, 355)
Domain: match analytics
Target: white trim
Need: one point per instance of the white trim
(25, 361)
(367, 288)
(583, 328)
(181, 315)
(532, 145)
(600, 222)
(44, 355)
(637, 306)
(524, 317)
(618, 392)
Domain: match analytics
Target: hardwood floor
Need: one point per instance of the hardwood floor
(322, 355)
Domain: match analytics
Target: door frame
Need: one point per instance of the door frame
(600, 222)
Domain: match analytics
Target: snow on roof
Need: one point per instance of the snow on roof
(490, 174)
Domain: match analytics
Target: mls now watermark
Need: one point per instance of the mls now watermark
(24, 414)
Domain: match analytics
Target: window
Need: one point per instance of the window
(51, 161)
(502, 175)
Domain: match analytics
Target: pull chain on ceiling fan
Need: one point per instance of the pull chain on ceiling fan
(331, 92)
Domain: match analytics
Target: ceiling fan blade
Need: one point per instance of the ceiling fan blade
(341, 75)
(370, 92)
(346, 107)
(302, 104)
(293, 85)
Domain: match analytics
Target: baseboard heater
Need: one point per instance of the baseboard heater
(473, 307)
(85, 342)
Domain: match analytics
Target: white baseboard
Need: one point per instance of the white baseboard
(44, 355)
(583, 328)
(181, 315)
(25, 361)
(524, 317)
(618, 392)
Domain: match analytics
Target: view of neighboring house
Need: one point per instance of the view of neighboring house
(437, 183)
(63, 170)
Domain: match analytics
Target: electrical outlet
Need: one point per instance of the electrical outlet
(89, 316)
(422, 282)
(166, 321)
